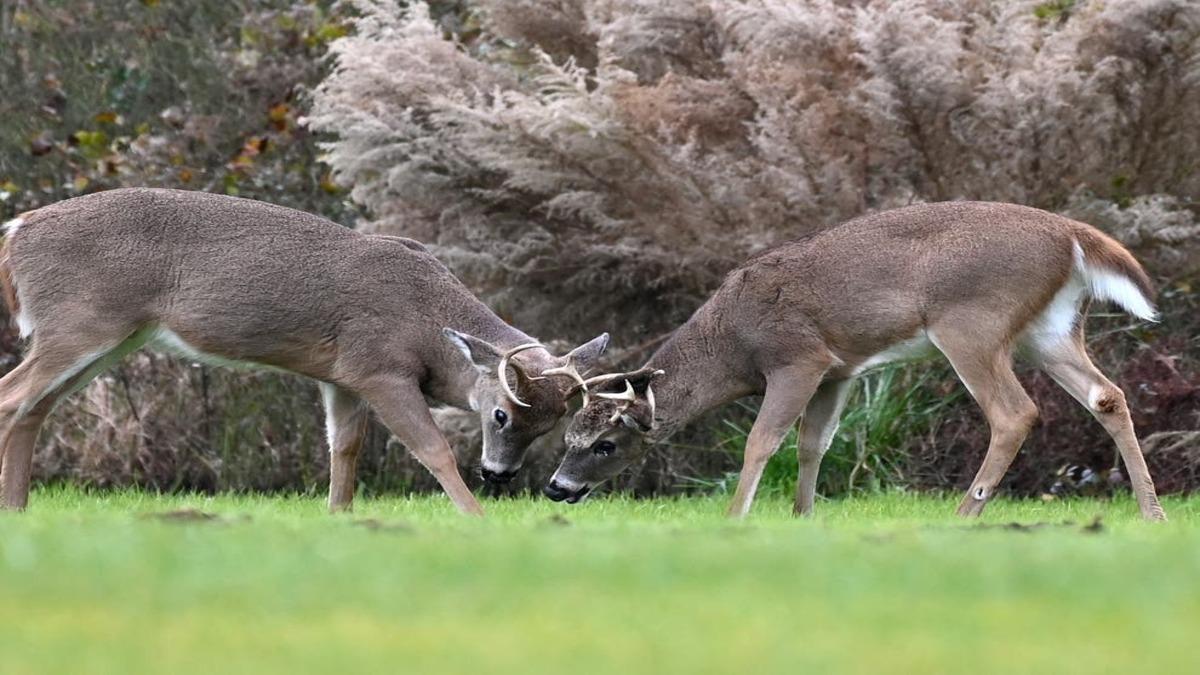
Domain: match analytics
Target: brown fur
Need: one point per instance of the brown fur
(256, 283)
(797, 323)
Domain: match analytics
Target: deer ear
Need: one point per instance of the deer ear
(481, 353)
(585, 355)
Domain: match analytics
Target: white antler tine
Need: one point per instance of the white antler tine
(569, 370)
(627, 395)
(502, 371)
(607, 377)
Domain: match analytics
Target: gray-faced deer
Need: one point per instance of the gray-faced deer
(377, 320)
(975, 281)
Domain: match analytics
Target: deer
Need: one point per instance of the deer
(378, 321)
(977, 282)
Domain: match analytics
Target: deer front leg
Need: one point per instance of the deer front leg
(401, 407)
(788, 393)
(345, 428)
(814, 433)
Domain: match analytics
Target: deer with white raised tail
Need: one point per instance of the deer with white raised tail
(377, 320)
(974, 281)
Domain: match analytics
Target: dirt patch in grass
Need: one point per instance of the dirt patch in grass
(185, 516)
(1095, 526)
(376, 525)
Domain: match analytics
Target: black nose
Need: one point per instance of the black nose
(497, 476)
(555, 491)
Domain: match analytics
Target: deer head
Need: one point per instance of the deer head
(517, 402)
(606, 435)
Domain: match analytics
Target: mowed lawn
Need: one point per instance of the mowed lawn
(103, 583)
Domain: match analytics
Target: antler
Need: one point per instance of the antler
(628, 396)
(602, 379)
(502, 371)
(567, 370)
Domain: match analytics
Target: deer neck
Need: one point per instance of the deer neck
(700, 373)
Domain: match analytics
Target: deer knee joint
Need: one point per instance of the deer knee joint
(809, 455)
(1029, 415)
(1021, 420)
(1106, 400)
(759, 456)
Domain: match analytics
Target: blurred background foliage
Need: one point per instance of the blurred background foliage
(591, 165)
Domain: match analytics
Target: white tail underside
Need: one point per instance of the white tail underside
(24, 322)
(1105, 284)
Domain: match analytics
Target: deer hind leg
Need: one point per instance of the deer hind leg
(788, 393)
(988, 376)
(1068, 364)
(345, 427)
(814, 433)
(28, 394)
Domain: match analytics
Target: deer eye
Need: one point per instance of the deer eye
(604, 448)
(501, 417)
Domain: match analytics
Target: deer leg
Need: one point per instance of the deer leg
(1068, 364)
(788, 393)
(401, 407)
(345, 428)
(988, 376)
(19, 442)
(814, 433)
(13, 387)
(30, 392)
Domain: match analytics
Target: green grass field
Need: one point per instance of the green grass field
(98, 583)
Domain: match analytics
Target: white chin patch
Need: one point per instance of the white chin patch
(492, 466)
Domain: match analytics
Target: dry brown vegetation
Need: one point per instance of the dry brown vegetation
(592, 165)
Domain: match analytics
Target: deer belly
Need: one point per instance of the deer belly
(168, 340)
(914, 348)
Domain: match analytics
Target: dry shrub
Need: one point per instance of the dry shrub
(616, 196)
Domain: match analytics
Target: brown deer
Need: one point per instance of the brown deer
(975, 281)
(377, 320)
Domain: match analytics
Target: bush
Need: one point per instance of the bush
(616, 195)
